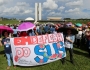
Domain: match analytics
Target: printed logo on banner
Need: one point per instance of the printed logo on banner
(48, 55)
(22, 52)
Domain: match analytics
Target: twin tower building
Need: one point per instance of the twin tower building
(38, 11)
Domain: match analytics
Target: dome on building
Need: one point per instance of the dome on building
(29, 18)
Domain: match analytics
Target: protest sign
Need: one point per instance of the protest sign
(37, 50)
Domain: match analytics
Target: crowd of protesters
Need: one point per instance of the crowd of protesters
(82, 38)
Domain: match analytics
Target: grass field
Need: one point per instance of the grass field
(16, 21)
(82, 62)
(78, 21)
(9, 22)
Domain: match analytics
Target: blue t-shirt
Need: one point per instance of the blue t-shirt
(46, 28)
(52, 29)
(32, 33)
(7, 45)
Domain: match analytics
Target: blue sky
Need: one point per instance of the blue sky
(58, 8)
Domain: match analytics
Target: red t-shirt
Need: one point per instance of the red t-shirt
(88, 37)
(23, 34)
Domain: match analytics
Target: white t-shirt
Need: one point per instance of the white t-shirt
(83, 31)
(67, 44)
(37, 27)
(54, 32)
(79, 35)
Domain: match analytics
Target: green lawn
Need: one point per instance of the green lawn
(80, 21)
(9, 22)
(16, 21)
(82, 62)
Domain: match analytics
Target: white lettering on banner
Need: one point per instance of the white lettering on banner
(45, 38)
(55, 38)
(60, 37)
(34, 39)
(50, 37)
(50, 47)
(40, 39)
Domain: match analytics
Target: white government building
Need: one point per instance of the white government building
(54, 18)
(29, 19)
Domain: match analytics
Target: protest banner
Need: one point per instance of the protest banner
(37, 50)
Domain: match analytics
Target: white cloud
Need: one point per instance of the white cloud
(76, 10)
(51, 13)
(63, 0)
(22, 4)
(2, 8)
(21, 8)
(50, 4)
(78, 15)
(75, 3)
(61, 8)
(3, 2)
(54, 14)
(71, 13)
(86, 4)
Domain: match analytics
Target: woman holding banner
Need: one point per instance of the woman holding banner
(7, 47)
(69, 33)
(69, 40)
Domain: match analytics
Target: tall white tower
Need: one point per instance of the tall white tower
(38, 11)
